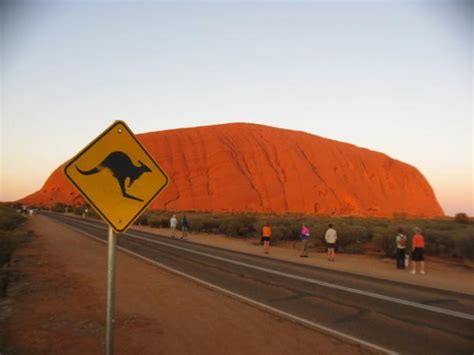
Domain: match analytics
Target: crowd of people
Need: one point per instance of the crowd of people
(330, 238)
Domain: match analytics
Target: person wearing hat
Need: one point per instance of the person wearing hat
(418, 246)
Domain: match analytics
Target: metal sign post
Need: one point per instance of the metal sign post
(109, 336)
(119, 179)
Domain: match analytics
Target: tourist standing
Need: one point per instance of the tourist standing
(304, 236)
(418, 247)
(266, 235)
(331, 238)
(401, 242)
(173, 224)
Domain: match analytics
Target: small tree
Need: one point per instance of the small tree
(59, 207)
(461, 218)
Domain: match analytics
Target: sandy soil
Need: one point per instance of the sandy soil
(57, 306)
(440, 273)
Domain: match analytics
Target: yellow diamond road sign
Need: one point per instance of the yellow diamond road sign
(117, 176)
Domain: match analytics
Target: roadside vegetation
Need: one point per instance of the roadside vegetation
(10, 238)
(449, 237)
(446, 237)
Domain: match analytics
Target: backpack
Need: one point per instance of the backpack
(403, 241)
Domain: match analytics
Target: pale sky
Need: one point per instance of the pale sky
(391, 76)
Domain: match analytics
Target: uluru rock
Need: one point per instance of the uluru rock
(247, 167)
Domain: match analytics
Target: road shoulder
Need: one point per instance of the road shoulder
(440, 274)
(57, 305)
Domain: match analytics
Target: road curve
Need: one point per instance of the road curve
(384, 315)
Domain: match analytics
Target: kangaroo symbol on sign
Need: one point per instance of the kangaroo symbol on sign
(122, 168)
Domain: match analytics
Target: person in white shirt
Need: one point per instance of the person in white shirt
(331, 237)
(173, 223)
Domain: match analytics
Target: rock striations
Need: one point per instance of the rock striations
(247, 167)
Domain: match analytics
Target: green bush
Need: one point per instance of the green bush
(143, 219)
(355, 235)
(280, 232)
(158, 221)
(237, 226)
(351, 238)
(284, 228)
(210, 226)
(59, 207)
(384, 240)
(464, 247)
(461, 218)
(83, 210)
(203, 223)
(439, 242)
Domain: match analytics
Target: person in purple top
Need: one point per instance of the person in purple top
(304, 236)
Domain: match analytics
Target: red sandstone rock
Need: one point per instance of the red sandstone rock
(248, 167)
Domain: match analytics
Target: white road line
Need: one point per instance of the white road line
(312, 281)
(317, 282)
(263, 306)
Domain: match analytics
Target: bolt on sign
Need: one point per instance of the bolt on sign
(117, 176)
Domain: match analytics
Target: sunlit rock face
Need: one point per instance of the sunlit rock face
(247, 167)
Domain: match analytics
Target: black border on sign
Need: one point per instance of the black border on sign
(78, 155)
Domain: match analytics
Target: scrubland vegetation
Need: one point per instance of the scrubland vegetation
(10, 238)
(447, 237)
(450, 237)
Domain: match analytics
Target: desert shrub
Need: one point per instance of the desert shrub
(461, 218)
(204, 223)
(441, 226)
(210, 226)
(439, 242)
(59, 207)
(284, 228)
(317, 231)
(79, 210)
(8, 242)
(238, 226)
(464, 246)
(10, 218)
(143, 219)
(280, 232)
(5, 247)
(443, 237)
(351, 238)
(158, 221)
(384, 240)
(83, 210)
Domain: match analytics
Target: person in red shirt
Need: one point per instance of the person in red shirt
(418, 247)
(266, 235)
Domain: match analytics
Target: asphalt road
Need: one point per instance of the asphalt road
(394, 316)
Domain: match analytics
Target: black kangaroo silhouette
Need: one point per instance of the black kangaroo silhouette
(122, 168)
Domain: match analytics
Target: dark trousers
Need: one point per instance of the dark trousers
(400, 258)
